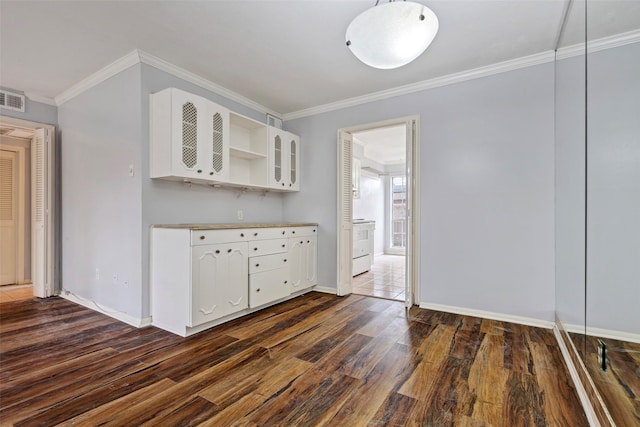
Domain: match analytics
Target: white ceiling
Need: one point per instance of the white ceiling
(385, 145)
(285, 55)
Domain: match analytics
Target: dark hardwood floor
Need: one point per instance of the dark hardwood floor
(314, 360)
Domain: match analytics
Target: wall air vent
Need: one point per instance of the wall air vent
(11, 101)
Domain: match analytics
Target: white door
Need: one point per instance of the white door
(42, 161)
(8, 216)
(345, 213)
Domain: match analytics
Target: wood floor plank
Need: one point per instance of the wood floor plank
(315, 360)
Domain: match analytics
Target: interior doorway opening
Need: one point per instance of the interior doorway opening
(27, 208)
(377, 198)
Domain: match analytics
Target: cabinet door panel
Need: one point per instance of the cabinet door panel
(311, 262)
(296, 267)
(219, 281)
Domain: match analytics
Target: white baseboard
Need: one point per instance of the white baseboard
(325, 289)
(529, 321)
(603, 333)
(573, 371)
(118, 315)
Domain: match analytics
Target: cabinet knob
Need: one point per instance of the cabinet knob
(257, 265)
(199, 171)
(293, 232)
(201, 237)
(283, 246)
(283, 231)
(301, 242)
(241, 234)
(210, 173)
(255, 249)
(285, 282)
(258, 290)
(217, 251)
(314, 230)
(289, 185)
(229, 250)
(307, 241)
(285, 260)
(255, 234)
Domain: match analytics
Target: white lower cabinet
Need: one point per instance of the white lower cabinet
(218, 281)
(203, 277)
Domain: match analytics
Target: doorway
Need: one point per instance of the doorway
(27, 205)
(377, 198)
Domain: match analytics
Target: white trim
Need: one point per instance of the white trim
(174, 70)
(118, 315)
(325, 289)
(500, 67)
(603, 333)
(529, 321)
(139, 56)
(488, 70)
(117, 66)
(40, 99)
(599, 44)
(573, 371)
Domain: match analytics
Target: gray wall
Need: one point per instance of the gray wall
(101, 204)
(613, 224)
(570, 191)
(166, 202)
(487, 166)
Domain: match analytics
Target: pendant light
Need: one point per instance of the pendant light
(392, 34)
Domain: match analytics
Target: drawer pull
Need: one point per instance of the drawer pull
(285, 260)
(293, 232)
(257, 265)
(285, 282)
(255, 249)
(283, 232)
(307, 241)
(199, 170)
(255, 234)
(235, 303)
(217, 251)
(314, 230)
(283, 246)
(210, 173)
(301, 242)
(205, 312)
(241, 234)
(229, 250)
(258, 290)
(201, 237)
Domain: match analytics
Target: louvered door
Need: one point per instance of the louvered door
(345, 212)
(8, 220)
(42, 161)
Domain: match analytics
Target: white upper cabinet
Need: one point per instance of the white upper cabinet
(284, 160)
(195, 140)
(189, 137)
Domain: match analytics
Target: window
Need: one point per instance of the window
(398, 212)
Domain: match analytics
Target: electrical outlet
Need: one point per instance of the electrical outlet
(240, 215)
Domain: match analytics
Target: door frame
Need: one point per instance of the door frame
(50, 253)
(344, 248)
(21, 202)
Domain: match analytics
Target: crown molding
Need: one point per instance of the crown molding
(500, 67)
(139, 56)
(599, 44)
(174, 70)
(40, 99)
(119, 65)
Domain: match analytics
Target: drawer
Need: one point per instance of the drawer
(207, 237)
(268, 286)
(268, 262)
(302, 231)
(266, 247)
(267, 233)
